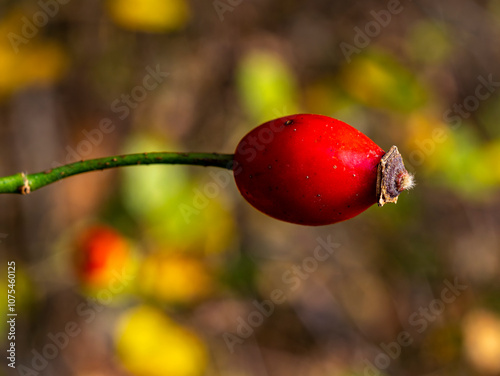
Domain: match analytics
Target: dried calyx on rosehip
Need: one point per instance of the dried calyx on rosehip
(315, 170)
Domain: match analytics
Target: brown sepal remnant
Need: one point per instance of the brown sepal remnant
(392, 177)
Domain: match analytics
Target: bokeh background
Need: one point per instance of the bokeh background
(166, 270)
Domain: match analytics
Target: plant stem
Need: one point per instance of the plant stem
(22, 183)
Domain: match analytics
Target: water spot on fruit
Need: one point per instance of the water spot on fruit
(269, 167)
(307, 177)
(318, 195)
(354, 175)
(334, 167)
(295, 129)
(288, 122)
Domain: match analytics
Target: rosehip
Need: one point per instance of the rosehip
(315, 170)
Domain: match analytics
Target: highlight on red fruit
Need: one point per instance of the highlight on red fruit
(315, 170)
(101, 253)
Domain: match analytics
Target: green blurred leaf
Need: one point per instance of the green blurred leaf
(24, 293)
(240, 274)
(430, 42)
(488, 115)
(377, 80)
(147, 189)
(266, 85)
(467, 166)
(177, 212)
(40, 62)
(195, 222)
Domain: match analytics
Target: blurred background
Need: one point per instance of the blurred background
(166, 270)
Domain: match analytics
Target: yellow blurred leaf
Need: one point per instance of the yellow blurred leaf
(34, 62)
(175, 278)
(482, 340)
(325, 97)
(428, 138)
(25, 292)
(151, 344)
(490, 155)
(149, 15)
(378, 80)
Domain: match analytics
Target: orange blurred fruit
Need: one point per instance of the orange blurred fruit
(101, 254)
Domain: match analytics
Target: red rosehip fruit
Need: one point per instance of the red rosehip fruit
(315, 170)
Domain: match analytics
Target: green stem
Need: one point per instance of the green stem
(24, 184)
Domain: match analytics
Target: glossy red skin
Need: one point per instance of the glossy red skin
(314, 171)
